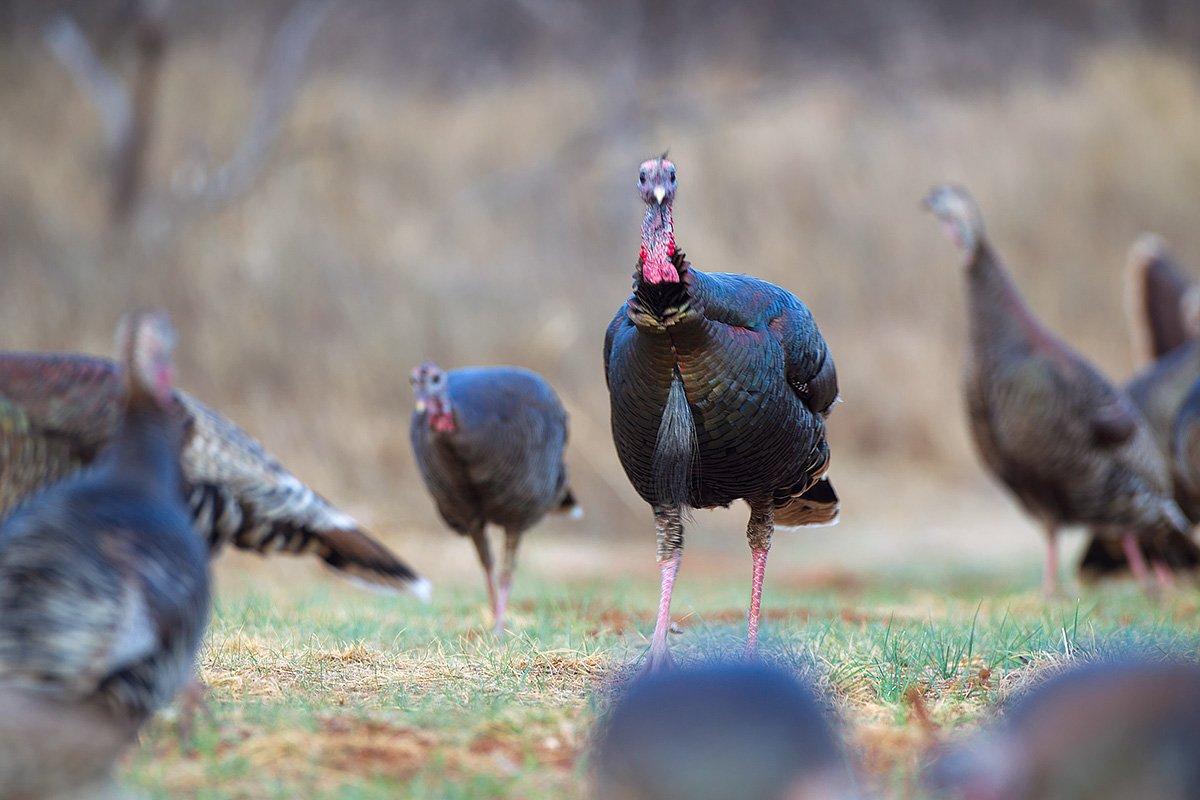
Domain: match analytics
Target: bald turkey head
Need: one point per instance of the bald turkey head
(145, 348)
(656, 185)
(431, 392)
(959, 215)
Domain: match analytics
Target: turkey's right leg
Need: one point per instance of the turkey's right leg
(1050, 577)
(668, 526)
(512, 539)
(1137, 561)
(479, 537)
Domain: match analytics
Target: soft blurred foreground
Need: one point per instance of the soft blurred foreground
(320, 693)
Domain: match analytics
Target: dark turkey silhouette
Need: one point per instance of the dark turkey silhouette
(58, 411)
(1185, 451)
(104, 591)
(489, 444)
(1163, 322)
(719, 387)
(719, 731)
(1123, 728)
(1069, 445)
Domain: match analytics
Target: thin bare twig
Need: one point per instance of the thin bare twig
(285, 68)
(106, 91)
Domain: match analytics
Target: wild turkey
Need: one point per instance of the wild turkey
(1072, 448)
(1110, 730)
(1163, 323)
(719, 386)
(718, 731)
(104, 591)
(58, 411)
(489, 444)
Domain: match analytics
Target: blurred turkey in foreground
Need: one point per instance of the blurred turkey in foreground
(104, 592)
(1110, 730)
(719, 386)
(1069, 445)
(1164, 322)
(738, 731)
(58, 411)
(489, 444)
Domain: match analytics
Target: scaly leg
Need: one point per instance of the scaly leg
(668, 526)
(512, 538)
(484, 549)
(1050, 576)
(758, 533)
(1137, 561)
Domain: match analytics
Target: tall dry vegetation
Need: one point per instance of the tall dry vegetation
(497, 222)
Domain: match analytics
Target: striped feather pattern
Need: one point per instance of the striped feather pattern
(56, 411)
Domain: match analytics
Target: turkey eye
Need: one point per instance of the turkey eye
(642, 176)
(672, 176)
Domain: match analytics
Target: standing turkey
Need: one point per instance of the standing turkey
(1163, 317)
(489, 444)
(104, 592)
(58, 411)
(719, 386)
(1070, 446)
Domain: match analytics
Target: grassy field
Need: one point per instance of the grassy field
(331, 693)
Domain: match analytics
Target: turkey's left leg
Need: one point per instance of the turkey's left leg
(758, 532)
(484, 549)
(668, 526)
(512, 539)
(1137, 561)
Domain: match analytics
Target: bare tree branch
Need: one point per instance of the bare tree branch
(129, 160)
(285, 68)
(106, 91)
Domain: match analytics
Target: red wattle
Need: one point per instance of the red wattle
(441, 423)
(659, 272)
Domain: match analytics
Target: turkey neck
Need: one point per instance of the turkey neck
(999, 315)
(661, 284)
(146, 450)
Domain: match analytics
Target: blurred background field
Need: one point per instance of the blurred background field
(330, 192)
(456, 181)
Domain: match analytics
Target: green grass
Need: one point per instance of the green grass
(329, 693)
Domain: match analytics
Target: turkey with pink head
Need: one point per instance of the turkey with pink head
(1071, 447)
(489, 443)
(104, 591)
(719, 385)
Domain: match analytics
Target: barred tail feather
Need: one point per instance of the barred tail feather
(817, 506)
(675, 449)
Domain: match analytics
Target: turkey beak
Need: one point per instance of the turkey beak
(659, 193)
(420, 406)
